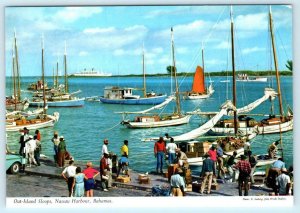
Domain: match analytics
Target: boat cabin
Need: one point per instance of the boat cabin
(113, 92)
(145, 119)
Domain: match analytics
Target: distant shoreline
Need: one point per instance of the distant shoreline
(211, 74)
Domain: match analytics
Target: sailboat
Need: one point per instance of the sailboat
(124, 95)
(42, 120)
(15, 102)
(198, 88)
(56, 98)
(270, 125)
(149, 121)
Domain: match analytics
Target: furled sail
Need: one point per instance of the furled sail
(159, 106)
(269, 93)
(227, 106)
(198, 84)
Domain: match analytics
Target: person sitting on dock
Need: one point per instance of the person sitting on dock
(244, 168)
(123, 165)
(177, 183)
(208, 170)
(159, 152)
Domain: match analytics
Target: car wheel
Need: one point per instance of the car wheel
(15, 168)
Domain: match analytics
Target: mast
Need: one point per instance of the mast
(144, 73)
(233, 71)
(276, 64)
(56, 76)
(43, 75)
(14, 77)
(178, 110)
(17, 69)
(65, 64)
(203, 58)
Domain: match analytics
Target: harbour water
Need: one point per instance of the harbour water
(85, 128)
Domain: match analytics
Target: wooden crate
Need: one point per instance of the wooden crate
(144, 180)
(196, 187)
(123, 179)
(189, 188)
(215, 187)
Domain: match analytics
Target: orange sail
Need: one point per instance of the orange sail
(198, 84)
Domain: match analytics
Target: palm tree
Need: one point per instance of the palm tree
(289, 65)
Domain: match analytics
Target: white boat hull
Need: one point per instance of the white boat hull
(12, 127)
(173, 122)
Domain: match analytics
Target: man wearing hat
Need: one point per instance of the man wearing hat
(208, 170)
(61, 152)
(55, 140)
(104, 147)
(23, 139)
(244, 168)
(283, 183)
(177, 183)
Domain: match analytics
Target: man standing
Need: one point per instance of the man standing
(61, 152)
(124, 148)
(229, 165)
(221, 171)
(37, 150)
(104, 147)
(68, 174)
(55, 140)
(208, 170)
(283, 183)
(171, 149)
(177, 183)
(159, 152)
(253, 163)
(244, 168)
(104, 168)
(23, 139)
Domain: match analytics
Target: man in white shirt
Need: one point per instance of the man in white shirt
(104, 147)
(30, 146)
(68, 174)
(171, 148)
(283, 182)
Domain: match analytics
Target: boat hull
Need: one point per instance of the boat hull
(51, 120)
(64, 103)
(264, 129)
(19, 106)
(138, 101)
(153, 124)
(196, 97)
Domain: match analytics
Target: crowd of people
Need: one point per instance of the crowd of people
(216, 165)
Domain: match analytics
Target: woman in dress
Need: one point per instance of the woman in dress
(90, 174)
(78, 184)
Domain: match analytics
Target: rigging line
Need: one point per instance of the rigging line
(106, 130)
(281, 42)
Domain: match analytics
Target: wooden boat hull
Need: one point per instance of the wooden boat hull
(78, 102)
(19, 106)
(139, 101)
(49, 122)
(162, 123)
(264, 129)
(196, 97)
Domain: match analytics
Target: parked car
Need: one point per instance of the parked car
(13, 163)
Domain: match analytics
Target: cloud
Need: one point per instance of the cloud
(252, 49)
(71, 14)
(99, 30)
(83, 53)
(222, 45)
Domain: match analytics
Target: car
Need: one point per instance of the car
(13, 163)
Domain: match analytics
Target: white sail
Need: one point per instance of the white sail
(227, 106)
(269, 93)
(159, 106)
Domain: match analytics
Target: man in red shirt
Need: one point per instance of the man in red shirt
(159, 152)
(244, 168)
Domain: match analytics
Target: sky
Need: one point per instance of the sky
(111, 39)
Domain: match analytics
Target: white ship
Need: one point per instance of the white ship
(91, 73)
